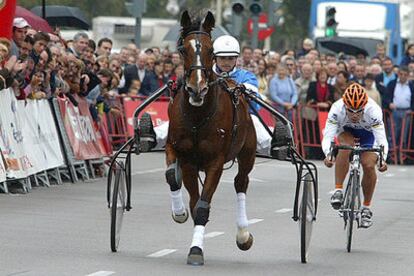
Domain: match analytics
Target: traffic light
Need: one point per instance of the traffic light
(237, 6)
(330, 22)
(256, 8)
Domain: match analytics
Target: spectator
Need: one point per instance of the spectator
(138, 71)
(352, 62)
(274, 59)
(380, 51)
(342, 79)
(382, 80)
(291, 67)
(104, 47)
(330, 58)
(399, 98)
(257, 55)
(317, 66)
(371, 89)
(102, 62)
(25, 48)
(320, 92)
(176, 58)
(359, 75)
(341, 66)
(262, 78)
(40, 43)
(271, 71)
(134, 88)
(302, 83)
(307, 45)
(123, 55)
(20, 27)
(409, 55)
(80, 42)
(332, 70)
(246, 61)
(282, 90)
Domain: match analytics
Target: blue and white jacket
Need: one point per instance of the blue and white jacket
(247, 78)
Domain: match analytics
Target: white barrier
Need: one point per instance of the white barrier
(28, 136)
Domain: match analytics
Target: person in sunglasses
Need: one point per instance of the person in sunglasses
(355, 116)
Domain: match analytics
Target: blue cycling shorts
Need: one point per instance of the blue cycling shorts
(366, 138)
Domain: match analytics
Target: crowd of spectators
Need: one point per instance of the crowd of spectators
(39, 65)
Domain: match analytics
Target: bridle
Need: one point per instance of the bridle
(195, 65)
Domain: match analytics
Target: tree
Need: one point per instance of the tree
(295, 26)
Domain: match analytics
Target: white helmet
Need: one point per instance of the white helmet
(226, 46)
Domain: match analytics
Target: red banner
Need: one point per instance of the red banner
(7, 10)
(84, 136)
(158, 111)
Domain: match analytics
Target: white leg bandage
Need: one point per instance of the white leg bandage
(198, 236)
(242, 221)
(177, 202)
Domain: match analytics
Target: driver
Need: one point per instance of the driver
(226, 50)
(355, 116)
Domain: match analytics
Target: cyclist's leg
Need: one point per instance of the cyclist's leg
(342, 159)
(369, 179)
(341, 169)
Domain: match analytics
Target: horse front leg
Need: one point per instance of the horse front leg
(173, 176)
(246, 157)
(201, 213)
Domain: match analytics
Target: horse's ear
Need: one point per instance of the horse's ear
(209, 22)
(185, 19)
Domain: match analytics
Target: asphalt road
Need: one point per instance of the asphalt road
(64, 230)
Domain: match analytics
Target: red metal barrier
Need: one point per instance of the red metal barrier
(117, 129)
(407, 150)
(389, 130)
(310, 130)
(271, 121)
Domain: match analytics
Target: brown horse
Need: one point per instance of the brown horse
(208, 127)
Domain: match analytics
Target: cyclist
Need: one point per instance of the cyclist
(355, 116)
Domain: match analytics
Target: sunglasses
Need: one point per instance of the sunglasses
(354, 111)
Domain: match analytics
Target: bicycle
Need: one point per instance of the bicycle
(350, 209)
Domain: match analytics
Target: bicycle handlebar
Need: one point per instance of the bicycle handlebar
(356, 150)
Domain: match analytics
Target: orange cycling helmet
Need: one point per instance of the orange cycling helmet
(355, 97)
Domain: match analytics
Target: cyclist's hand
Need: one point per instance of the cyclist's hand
(329, 161)
(382, 166)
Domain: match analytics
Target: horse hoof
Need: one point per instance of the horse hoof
(195, 257)
(245, 246)
(180, 218)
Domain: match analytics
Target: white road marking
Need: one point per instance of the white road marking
(283, 210)
(389, 175)
(101, 273)
(162, 253)
(149, 171)
(213, 234)
(253, 221)
(402, 169)
(252, 179)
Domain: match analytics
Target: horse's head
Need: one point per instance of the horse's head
(196, 48)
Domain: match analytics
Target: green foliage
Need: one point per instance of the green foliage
(295, 27)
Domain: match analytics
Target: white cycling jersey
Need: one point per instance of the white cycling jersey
(371, 121)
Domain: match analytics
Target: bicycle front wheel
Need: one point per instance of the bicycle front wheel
(351, 212)
(118, 206)
(306, 215)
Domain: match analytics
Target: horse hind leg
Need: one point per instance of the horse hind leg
(174, 179)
